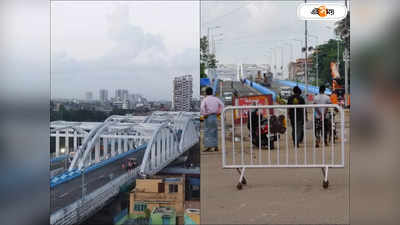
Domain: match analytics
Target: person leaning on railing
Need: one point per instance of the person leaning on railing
(210, 108)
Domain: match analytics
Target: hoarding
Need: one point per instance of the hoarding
(251, 100)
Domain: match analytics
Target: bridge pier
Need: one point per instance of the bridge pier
(66, 141)
(75, 140)
(112, 147)
(97, 152)
(125, 144)
(57, 143)
(119, 146)
(105, 146)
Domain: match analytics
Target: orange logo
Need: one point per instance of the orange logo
(322, 11)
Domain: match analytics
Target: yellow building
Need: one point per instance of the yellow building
(158, 192)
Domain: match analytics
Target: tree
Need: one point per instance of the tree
(147, 213)
(207, 60)
(327, 53)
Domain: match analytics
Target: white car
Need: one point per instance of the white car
(228, 97)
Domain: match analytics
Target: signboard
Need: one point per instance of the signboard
(251, 100)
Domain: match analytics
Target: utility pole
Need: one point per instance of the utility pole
(338, 59)
(274, 67)
(346, 66)
(317, 68)
(305, 62)
(346, 77)
(317, 51)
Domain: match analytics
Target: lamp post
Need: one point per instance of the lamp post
(305, 54)
(317, 51)
(209, 29)
(301, 50)
(274, 53)
(269, 53)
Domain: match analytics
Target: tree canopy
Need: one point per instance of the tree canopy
(207, 60)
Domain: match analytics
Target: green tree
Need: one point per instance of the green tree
(147, 213)
(207, 60)
(327, 53)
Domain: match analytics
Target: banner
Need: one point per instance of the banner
(251, 100)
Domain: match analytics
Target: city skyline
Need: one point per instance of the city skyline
(126, 47)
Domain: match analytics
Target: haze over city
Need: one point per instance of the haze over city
(105, 45)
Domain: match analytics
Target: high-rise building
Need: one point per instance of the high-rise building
(182, 93)
(103, 95)
(121, 94)
(89, 96)
(125, 95)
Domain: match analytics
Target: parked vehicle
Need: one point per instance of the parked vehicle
(130, 163)
(285, 92)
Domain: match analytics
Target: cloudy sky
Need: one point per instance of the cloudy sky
(135, 45)
(250, 28)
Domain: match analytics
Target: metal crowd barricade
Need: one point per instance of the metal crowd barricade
(242, 150)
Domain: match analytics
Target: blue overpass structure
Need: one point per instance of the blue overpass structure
(261, 89)
(311, 89)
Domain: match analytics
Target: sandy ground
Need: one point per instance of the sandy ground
(274, 195)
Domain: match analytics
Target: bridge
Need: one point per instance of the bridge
(99, 166)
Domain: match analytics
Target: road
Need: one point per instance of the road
(70, 191)
(238, 88)
(67, 193)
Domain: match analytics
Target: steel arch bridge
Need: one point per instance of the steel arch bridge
(166, 134)
(163, 136)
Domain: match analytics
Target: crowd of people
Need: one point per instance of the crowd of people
(211, 107)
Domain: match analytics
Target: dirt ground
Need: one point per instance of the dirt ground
(272, 195)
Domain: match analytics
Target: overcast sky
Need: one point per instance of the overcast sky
(251, 28)
(135, 45)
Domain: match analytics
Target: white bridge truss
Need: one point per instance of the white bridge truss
(166, 136)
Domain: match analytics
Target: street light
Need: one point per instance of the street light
(270, 54)
(208, 35)
(317, 51)
(273, 50)
(301, 49)
(282, 53)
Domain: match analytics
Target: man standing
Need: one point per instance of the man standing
(298, 122)
(210, 108)
(320, 113)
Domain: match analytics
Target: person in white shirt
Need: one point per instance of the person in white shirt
(320, 113)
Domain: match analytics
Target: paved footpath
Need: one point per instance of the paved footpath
(273, 196)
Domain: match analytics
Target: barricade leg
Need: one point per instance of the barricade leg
(242, 179)
(325, 182)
